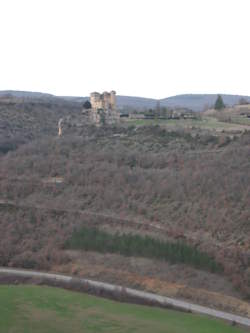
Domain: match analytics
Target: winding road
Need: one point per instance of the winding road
(161, 300)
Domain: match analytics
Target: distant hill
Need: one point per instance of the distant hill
(195, 102)
(199, 102)
(25, 94)
(136, 102)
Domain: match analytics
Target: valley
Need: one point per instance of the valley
(177, 181)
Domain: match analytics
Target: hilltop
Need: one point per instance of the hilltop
(195, 102)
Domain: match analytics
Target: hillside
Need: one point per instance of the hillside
(198, 102)
(25, 94)
(195, 102)
(176, 184)
(23, 119)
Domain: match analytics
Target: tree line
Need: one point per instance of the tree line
(93, 239)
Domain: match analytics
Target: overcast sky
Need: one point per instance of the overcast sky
(150, 48)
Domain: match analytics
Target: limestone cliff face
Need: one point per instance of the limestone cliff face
(60, 127)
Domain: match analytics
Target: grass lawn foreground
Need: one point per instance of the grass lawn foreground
(29, 309)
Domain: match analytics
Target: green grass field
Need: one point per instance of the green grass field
(29, 309)
(241, 120)
(208, 123)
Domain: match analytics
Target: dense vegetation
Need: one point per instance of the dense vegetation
(24, 121)
(136, 245)
(194, 183)
(29, 309)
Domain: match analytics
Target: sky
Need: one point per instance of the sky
(148, 48)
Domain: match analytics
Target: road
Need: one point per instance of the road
(161, 300)
(119, 219)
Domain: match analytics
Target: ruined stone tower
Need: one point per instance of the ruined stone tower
(103, 108)
(105, 101)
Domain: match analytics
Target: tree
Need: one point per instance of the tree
(219, 104)
(157, 109)
(87, 105)
(243, 101)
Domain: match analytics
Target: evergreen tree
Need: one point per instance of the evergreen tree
(92, 239)
(219, 104)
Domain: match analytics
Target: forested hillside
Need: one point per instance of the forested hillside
(22, 121)
(189, 186)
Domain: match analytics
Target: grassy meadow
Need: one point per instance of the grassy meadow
(28, 309)
(205, 123)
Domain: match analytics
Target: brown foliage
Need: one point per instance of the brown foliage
(145, 174)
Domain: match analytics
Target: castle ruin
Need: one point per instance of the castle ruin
(100, 110)
(103, 108)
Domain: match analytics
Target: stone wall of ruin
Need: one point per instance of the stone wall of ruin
(105, 101)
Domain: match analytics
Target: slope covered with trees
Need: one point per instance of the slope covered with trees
(176, 185)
